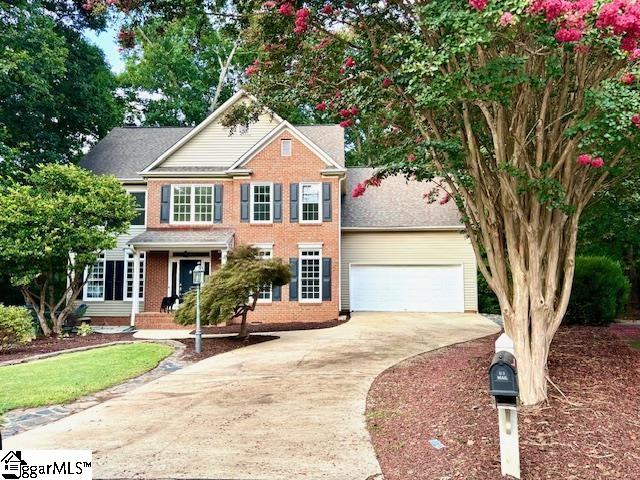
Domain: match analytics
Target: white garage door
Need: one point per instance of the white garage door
(407, 288)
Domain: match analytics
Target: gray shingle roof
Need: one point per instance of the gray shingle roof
(169, 237)
(395, 204)
(126, 151)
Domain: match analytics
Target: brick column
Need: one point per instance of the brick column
(156, 280)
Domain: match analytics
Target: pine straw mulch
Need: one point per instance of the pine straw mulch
(589, 431)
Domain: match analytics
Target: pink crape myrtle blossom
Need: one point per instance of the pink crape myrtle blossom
(253, 68)
(597, 162)
(627, 78)
(584, 159)
(286, 9)
(358, 190)
(321, 106)
(635, 119)
(479, 5)
(507, 19)
(444, 200)
(387, 82)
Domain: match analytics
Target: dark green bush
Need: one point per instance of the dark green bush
(487, 300)
(600, 292)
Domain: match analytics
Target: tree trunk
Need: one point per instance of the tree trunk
(244, 327)
(39, 308)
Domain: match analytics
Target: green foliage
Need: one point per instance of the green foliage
(487, 300)
(56, 91)
(84, 329)
(57, 211)
(15, 327)
(600, 291)
(173, 77)
(232, 290)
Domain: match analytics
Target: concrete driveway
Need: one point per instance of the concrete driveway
(292, 408)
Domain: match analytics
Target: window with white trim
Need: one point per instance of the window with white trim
(192, 203)
(128, 285)
(140, 199)
(311, 202)
(310, 275)
(285, 148)
(265, 294)
(261, 202)
(94, 287)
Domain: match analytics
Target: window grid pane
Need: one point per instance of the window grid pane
(140, 208)
(129, 287)
(181, 204)
(266, 292)
(203, 204)
(310, 281)
(95, 281)
(310, 203)
(262, 203)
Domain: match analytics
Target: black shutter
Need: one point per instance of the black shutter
(276, 293)
(277, 202)
(109, 273)
(293, 284)
(165, 203)
(326, 201)
(118, 282)
(217, 203)
(244, 202)
(326, 278)
(294, 188)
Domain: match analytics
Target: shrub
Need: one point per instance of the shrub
(15, 327)
(600, 291)
(487, 300)
(84, 330)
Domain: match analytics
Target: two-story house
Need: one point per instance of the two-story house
(281, 188)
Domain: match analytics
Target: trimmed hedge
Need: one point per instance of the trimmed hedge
(15, 327)
(600, 292)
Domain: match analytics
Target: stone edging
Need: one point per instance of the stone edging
(18, 421)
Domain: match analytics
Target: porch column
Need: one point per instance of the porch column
(135, 294)
(223, 256)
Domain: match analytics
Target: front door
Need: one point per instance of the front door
(186, 275)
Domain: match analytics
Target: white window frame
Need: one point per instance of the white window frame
(143, 269)
(302, 250)
(192, 211)
(283, 151)
(251, 202)
(139, 209)
(264, 249)
(87, 277)
(301, 202)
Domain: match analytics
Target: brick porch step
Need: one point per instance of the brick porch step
(157, 320)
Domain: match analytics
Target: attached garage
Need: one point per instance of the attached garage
(400, 253)
(407, 288)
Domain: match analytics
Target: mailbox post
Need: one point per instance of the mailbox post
(503, 383)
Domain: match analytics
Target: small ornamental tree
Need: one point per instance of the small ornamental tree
(55, 223)
(233, 291)
(520, 110)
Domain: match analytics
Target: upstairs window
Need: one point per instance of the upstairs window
(261, 202)
(311, 204)
(285, 148)
(192, 204)
(140, 199)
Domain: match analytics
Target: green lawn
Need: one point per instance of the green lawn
(71, 375)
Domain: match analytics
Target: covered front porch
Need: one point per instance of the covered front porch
(170, 257)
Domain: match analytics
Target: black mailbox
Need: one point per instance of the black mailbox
(503, 378)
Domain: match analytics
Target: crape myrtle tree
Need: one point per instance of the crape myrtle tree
(233, 290)
(519, 110)
(55, 221)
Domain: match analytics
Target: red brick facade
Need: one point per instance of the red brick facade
(266, 166)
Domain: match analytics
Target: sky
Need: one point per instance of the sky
(107, 42)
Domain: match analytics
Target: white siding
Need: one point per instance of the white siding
(213, 146)
(410, 248)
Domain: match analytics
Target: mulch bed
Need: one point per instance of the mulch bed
(215, 346)
(592, 433)
(274, 327)
(53, 344)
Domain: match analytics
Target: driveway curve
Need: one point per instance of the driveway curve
(292, 408)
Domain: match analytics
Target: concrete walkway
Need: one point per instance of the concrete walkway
(292, 408)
